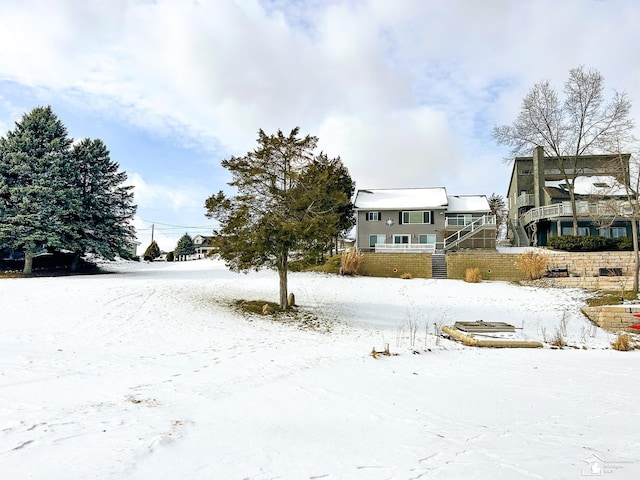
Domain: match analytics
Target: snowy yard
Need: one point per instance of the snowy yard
(147, 373)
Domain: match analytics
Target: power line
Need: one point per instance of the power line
(174, 226)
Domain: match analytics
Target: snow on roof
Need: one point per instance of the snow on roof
(394, 199)
(468, 203)
(605, 185)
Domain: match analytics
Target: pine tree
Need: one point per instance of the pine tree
(101, 223)
(498, 208)
(152, 252)
(35, 197)
(185, 246)
(286, 203)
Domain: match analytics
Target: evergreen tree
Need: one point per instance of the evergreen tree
(328, 179)
(152, 252)
(286, 202)
(35, 196)
(185, 246)
(101, 222)
(498, 208)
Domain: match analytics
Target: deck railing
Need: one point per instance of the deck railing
(603, 208)
(405, 248)
(525, 200)
(469, 230)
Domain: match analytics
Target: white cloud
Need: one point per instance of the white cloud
(406, 92)
(402, 148)
(172, 197)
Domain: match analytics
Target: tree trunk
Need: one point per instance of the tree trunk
(74, 263)
(282, 273)
(28, 262)
(572, 198)
(636, 253)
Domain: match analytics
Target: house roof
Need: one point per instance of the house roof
(399, 198)
(468, 203)
(602, 185)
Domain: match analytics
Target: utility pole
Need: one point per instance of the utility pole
(152, 228)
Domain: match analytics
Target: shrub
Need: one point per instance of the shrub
(622, 343)
(625, 243)
(472, 275)
(169, 256)
(351, 260)
(532, 264)
(406, 276)
(152, 252)
(571, 243)
(558, 340)
(332, 265)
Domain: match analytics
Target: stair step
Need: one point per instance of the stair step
(438, 266)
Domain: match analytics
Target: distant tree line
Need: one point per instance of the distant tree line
(57, 194)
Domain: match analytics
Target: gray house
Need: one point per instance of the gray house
(422, 220)
(539, 206)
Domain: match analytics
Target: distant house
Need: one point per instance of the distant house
(422, 220)
(539, 202)
(203, 244)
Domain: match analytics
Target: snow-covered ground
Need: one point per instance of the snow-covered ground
(147, 373)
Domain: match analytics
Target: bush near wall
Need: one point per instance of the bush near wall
(590, 243)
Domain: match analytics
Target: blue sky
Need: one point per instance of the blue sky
(405, 92)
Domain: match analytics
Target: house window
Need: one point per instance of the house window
(466, 219)
(401, 239)
(582, 231)
(613, 232)
(428, 239)
(373, 239)
(416, 217)
(373, 216)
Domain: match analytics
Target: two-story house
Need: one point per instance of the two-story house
(203, 244)
(539, 201)
(421, 220)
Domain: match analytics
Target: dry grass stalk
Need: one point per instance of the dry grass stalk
(532, 264)
(350, 262)
(623, 343)
(472, 275)
(558, 340)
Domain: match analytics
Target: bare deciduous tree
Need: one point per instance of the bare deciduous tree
(582, 124)
(632, 208)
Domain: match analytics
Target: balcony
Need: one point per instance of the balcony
(599, 209)
(457, 223)
(525, 200)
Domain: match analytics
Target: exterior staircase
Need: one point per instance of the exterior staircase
(438, 265)
(469, 231)
(521, 236)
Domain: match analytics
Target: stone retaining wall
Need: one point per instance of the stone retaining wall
(587, 264)
(596, 283)
(614, 318)
(492, 265)
(396, 264)
(583, 267)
